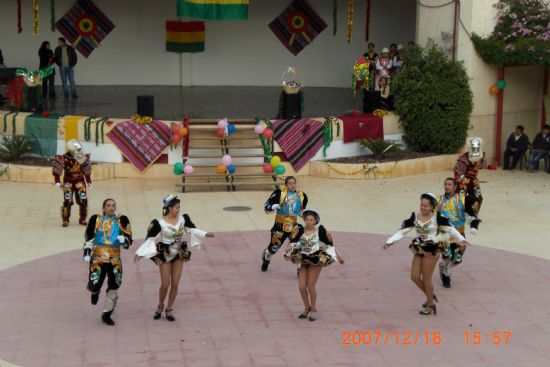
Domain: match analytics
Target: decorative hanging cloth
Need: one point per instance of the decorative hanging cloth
(184, 36)
(213, 9)
(297, 26)
(85, 26)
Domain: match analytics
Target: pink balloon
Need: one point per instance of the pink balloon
(222, 124)
(188, 169)
(258, 129)
(226, 160)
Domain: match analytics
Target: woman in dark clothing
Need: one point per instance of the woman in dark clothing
(46, 59)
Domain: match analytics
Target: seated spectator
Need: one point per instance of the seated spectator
(386, 98)
(540, 147)
(516, 146)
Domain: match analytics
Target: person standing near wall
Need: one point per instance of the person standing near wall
(45, 54)
(65, 57)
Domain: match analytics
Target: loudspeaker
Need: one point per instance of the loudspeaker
(371, 100)
(292, 108)
(146, 106)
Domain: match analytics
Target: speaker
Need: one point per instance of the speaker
(371, 100)
(146, 106)
(292, 108)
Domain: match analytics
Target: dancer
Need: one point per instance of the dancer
(165, 246)
(78, 170)
(432, 231)
(458, 209)
(104, 236)
(465, 173)
(288, 204)
(313, 248)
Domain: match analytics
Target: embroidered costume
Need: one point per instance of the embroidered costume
(76, 169)
(164, 241)
(288, 206)
(104, 236)
(315, 249)
(431, 236)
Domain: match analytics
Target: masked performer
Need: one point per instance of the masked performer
(458, 209)
(165, 246)
(313, 248)
(104, 236)
(432, 232)
(288, 204)
(77, 170)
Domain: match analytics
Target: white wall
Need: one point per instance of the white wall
(237, 53)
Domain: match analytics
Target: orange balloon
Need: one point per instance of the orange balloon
(183, 132)
(493, 90)
(220, 168)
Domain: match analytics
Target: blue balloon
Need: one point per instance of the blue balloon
(231, 169)
(231, 128)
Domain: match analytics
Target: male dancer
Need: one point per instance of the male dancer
(104, 236)
(289, 204)
(78, 170)
(458, 209)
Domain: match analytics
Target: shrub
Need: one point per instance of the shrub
(433, 101)
(380, 148)
(14, 147)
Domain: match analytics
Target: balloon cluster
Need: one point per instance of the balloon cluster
(179, 168)
(495, 88)
(266, 132)
(274, 165)
(226, 166)
(178, 133)
(225, 128)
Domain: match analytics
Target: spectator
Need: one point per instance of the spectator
(410, 44)
(383, 66)
(45, 54)
(1, 60)
(371, 56)
(386, 99)
(65, 57)
(540, 148)
(516, 146)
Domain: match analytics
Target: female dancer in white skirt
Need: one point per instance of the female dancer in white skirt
(165, 246)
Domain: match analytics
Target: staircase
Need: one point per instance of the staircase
(206, 151)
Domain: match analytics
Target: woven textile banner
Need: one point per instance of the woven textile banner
(41, 132)
(85, 26)
(300, 140)
(143, 144)
(297, 26)
(213, 9)
(184, 36)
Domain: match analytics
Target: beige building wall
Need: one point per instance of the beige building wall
(523, 93)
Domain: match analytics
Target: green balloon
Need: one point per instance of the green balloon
(280, 169)
(501, 84)
(178, 168)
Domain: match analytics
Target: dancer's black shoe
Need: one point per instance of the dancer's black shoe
(94, 298)
(106, 318)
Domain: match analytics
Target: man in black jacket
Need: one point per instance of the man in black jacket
(65, 57)
(516, 146)
(540, 147)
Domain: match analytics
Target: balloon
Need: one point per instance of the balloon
(220, 133)
(275, 161)
(222, 124)
(231, 169)
(221, 169)
(178, 168)
(176, 129)
(231, 128)
(182, 132)
(280, 169)
(493, 90)
(268, 168)
(268, 133)
(226, 160)
(188, 169)
(501, 84)
(176, 139)
(258, 129)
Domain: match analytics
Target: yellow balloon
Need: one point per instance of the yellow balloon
(275, 161)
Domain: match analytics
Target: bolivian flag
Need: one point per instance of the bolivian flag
(184, 36)
(214, 9)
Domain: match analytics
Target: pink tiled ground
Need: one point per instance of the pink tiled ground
(230, 314)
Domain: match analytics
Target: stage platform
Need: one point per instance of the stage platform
(171, 102)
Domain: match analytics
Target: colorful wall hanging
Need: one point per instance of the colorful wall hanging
(184, 36)
(35, 17)
(19, 27)
(52, 15)
(350, 20)
(214, 9)
(85, 26)
(367, 21)
(297, 26)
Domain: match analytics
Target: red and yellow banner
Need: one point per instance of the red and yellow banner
(184, 36)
